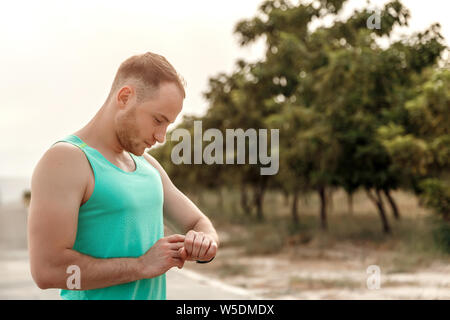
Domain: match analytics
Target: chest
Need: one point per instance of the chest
(124, 189)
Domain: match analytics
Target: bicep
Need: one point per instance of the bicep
(56, 193)
(178, 208)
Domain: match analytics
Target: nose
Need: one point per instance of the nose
(160, 136)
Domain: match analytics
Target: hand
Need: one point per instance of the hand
(163, 255)
(198, 246)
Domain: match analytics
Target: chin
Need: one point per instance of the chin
(138, 152)
(141, 151)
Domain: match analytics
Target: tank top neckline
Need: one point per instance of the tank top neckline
(136, 166)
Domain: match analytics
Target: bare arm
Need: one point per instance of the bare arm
(188, 217)
(57, 189)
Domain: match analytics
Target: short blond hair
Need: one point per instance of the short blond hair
(146, 71)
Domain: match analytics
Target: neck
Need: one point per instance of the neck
(99, 133)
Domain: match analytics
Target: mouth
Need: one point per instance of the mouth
(148, 144)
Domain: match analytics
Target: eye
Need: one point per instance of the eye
(157, 121)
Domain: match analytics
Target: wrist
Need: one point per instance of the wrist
(143, 269)
(208, 261)
(139, 268)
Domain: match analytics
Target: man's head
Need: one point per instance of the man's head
(147, 95)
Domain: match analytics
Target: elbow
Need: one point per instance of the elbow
(47, 270)
(41, 277)
(42, 285)
(41, 281)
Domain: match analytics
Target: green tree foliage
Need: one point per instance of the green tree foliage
(420, 146)
(352, 113)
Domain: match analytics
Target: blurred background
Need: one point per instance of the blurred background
(359, 90)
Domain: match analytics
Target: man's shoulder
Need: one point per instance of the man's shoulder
(63, 150)
(150, 159)
(63, 159)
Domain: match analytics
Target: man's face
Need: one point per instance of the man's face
(143, 124)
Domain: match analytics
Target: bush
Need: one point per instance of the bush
(26, 197)
(265, 239)
(442, 236)
(436, 195)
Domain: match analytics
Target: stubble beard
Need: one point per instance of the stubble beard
(127, 132)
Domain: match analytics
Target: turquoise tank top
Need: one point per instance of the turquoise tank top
(122, 218)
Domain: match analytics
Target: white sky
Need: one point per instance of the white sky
(58, 58)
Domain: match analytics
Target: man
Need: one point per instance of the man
(98, 198)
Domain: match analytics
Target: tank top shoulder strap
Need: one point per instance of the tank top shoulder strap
(72, 139)
(97, 160)
(93, 157)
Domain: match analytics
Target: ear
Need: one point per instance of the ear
(124, 96)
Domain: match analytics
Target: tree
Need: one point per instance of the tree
(421, 145)
(352, 113)
(347, 80)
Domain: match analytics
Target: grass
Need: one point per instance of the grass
(412, 238)
(308, 283)
(233, 269)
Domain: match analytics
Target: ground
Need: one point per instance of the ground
(313, 269)
(338, 272)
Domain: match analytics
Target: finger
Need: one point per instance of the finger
(212, 251)
(176, 245)
(205, 246)
(189, 242)
(178, 262)
(183, 253)
(176, 238)
(197, 245)
(176, 254)
(179, 254)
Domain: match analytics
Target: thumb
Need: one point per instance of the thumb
(183, 253)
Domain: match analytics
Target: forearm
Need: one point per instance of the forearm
(94, 272)
(185, 215)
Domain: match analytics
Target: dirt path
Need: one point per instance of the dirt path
(338, 273)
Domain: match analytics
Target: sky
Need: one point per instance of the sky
(58, 58)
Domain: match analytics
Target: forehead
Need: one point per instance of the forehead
(168, 101)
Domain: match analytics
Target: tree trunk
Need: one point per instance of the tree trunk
(323, 209)
(329, 197)
(420, 202)
(378, 201)
(350, 202)
(259, 204)
(286, 198)
(259, 198)
(220, 199)
(392, 203)
(386, 228)
(244, 200)
(295, 207)
(305, 199)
